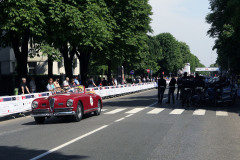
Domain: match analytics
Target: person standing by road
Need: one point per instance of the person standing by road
(104, 82)
(179, 90)
(91, 83)
(66, 83)
(187, 88)
(161, 88)
(171, 90)
(50, 86)
(32, 86)
(23, 87)
(76, 81)
(57, 85)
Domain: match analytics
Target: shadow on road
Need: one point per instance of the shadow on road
(54, 120)
(12, 153)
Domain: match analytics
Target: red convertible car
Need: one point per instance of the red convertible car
(72, 103)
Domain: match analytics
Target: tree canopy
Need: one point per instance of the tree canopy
(225, 27)
(103, 34)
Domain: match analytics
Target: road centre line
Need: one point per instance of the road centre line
(129, 115)
(120, 119)
(69, 142)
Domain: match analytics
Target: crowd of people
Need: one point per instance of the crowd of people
(187, 86)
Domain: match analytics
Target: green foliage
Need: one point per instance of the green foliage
(171, 52)
(99, 32)
(52, 53)
(225, 27)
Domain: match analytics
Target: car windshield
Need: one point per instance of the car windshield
(77, 89)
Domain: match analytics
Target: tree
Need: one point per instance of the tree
(172, 60)
(53, 55)
(225, 27)
(20, 21)
(132, 20)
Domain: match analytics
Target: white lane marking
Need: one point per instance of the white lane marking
(68, 143)
(199, 112)
(135, 110)
(221, 113)
(151, 105)
(156, 111)
(104, 110)
(129, 115)
(120, 119)
(177, 111)
(115, 111)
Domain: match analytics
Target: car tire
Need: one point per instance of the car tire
(39, 120)
(98, 111)
(79, 113)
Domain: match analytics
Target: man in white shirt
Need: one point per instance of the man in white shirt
(66, 83)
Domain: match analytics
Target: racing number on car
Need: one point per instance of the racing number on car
(91, 100)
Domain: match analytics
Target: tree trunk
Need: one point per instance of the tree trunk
(68, 58)
(84, 59)
(50, 67)
(109, 75)
(21, 56)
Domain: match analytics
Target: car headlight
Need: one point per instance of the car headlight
(69, 102)
(34, 104)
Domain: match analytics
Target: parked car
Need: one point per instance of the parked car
(73, 103)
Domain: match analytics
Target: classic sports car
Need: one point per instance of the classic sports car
(72, 103)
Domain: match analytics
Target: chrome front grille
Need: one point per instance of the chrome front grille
(51, 103)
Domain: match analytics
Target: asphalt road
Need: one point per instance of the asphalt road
(132, 127)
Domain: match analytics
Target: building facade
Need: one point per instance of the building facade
(36, 65)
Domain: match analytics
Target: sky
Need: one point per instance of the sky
(185, 20)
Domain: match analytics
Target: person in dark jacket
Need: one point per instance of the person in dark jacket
(104, 82)
(179, 90)
(171, 90)
(161, 88)
(187, 88)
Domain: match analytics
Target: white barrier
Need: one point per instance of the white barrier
(20, 103)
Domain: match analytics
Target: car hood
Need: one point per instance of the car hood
(63, 97)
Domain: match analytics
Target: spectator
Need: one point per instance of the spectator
(144, 80)
(32, 86)
(23, 87)
(99, 82)
(66, 83)
(104, 82)
(57, 85)
(113, 82)
(50, 86)
(76, 81)
(73, 84)
(91, 83)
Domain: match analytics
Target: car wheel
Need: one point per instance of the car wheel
(39, 120)
(98, 111)
(79, 112)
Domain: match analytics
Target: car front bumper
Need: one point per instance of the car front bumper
(59, 112)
